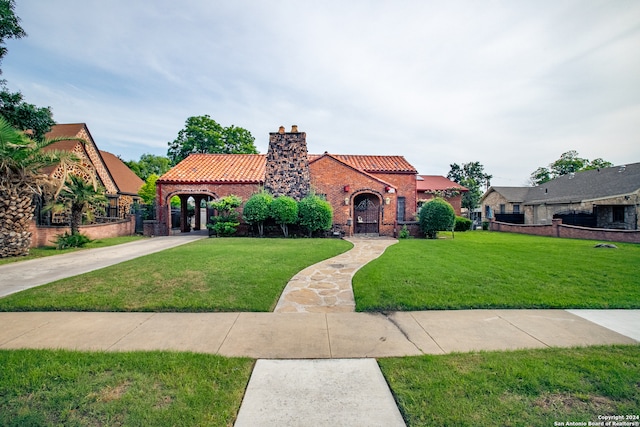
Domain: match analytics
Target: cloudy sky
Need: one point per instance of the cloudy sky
(511, 84)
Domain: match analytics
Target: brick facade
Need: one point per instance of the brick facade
(373, 185)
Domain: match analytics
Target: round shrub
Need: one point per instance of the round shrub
(284, 210)
(315, 213)
(436, 215)
(256, 210)
(462, 224)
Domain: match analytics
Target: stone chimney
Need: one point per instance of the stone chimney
(287, 171)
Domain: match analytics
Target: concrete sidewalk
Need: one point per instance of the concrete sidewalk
(316, 335)
(23, 275)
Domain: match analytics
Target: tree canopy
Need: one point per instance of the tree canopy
(202, 134)
(569, 162)
(9, 25)
(148, 165)
(472, 176)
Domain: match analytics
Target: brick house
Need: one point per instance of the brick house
(599, 198)
(430, 186)
(369, 194)
(120, 183)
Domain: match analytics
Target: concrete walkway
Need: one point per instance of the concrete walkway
(313, 368)
(325, 287)
(18, 276)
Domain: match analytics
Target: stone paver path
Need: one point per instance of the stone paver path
(326, 287)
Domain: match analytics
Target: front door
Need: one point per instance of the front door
(367, 214)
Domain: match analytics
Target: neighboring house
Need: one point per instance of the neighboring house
(120, 183)
(369, 194)
(430, 186)
(601, 198)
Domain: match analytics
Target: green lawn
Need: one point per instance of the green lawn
(55, 388)
(235, 274)
(499, 270)
(521, 388)
(51, 250)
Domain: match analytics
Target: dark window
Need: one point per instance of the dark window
(113, 207)
(516, 209)
(487, 211)
(400, 214)
(618, 214)
(503, 209)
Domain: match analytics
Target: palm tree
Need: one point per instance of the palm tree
(78, 195)
(22, 160)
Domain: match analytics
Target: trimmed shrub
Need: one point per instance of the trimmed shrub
(462, 224)
(436, 215)
(256, 210)
(284, 210)
(226, 222)
(315, 213)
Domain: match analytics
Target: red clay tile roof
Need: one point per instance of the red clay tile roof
(374, 164)
(227, 168)
(437, 182)
(126, 181)
(250, 168)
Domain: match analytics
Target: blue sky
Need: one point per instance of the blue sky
(510, 84)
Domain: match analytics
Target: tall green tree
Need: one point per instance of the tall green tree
(472, 176)
(22, 160)
(148, 190)
(149, 164)
(20, 114)
(569, 162)
(202, 134)
(9, 25)
(24, 116)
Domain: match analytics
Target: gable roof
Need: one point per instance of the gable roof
(583, 186)
(588, 185)
(126, 181)
(372, 164)
(512, 194)
(347, 165)
(437, 183)
(222, 168)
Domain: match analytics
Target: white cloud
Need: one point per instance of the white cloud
(511, 85)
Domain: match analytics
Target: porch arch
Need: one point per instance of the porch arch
(198, 197)
(367, 212)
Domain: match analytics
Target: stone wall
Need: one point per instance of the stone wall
(287, 169)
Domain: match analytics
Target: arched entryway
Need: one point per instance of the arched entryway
(366, 213)
(193, 213)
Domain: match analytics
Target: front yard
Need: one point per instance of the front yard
(473, 270)
(499, 270)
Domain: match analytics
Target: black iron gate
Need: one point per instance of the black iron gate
(367, 214)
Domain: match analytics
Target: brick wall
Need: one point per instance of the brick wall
(557, 229)
(45, 236)
(341, 184)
